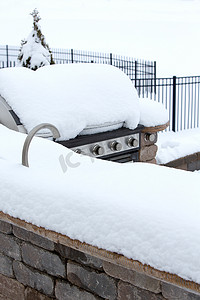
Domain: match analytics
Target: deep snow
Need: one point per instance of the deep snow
(140, 210)
(73, 97)
(70, 96)
(146, 212)
(173, 145)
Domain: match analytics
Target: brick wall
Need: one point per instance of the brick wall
(33, 267)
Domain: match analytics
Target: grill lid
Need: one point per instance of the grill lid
(71, 97)
(9, 118)
(107, 126)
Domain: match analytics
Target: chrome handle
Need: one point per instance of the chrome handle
(31, 134)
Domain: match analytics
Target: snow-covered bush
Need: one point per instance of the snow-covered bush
(34, 51)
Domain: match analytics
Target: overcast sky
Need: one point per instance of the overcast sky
(167, 31)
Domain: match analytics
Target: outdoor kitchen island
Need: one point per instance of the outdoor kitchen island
(60, 242)
(76, 227)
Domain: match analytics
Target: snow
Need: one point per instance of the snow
(142, 222)
(73, 97)
(164, 31)
(174, 145)
(152, 113)
(34, 49)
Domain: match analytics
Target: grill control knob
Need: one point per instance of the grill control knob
(98, 150)
(115, 146)
(78, 151)
(151, 137)
(132, 142)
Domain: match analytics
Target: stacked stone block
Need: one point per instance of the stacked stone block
(148, 150)
(35, 268)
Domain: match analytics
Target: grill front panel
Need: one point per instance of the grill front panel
(121, 145)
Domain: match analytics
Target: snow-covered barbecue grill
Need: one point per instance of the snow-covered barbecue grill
(94, 107)
(120, 145)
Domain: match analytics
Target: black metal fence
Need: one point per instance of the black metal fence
(179, 95)
(134, 68)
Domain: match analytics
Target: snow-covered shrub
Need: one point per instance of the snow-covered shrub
(34, 51)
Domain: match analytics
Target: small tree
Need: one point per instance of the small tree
(34, 51)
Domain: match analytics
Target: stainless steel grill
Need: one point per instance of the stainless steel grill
(116, 143)
(120, 145)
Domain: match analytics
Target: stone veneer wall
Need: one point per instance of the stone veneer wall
(188, 163)
(33, 267)
(148, 150)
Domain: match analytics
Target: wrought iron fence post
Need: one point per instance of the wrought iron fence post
(72, 56)
(154, 66)
(110, 58)
(7, 56)
(174, 105)
(135, 73)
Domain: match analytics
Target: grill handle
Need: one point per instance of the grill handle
(30, 136)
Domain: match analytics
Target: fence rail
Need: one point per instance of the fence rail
(134, 68)
(179, 95)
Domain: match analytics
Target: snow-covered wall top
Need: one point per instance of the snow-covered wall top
(156, 221)
(73, 97)
(174, 145)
